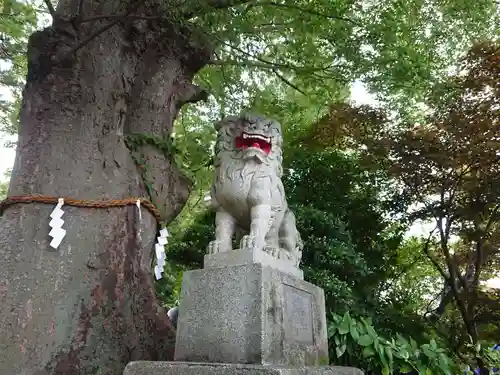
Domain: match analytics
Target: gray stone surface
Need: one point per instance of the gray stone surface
(250, 314)
(183, 368)
(249, 256)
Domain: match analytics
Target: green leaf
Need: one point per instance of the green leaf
(331, 330)
(389, 352)
(428, 351)
(405, 369)
(371, 332)
(402, 353)
(354, 331)
(336, 339)
(433, 344)
(345, 324)
(368, 351)
(340, 350)
(365, 340)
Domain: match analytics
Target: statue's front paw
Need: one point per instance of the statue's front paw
(250, 242)
(279, 253)
(284, 254)
(273, 251)
(215, 247)
(247, 242)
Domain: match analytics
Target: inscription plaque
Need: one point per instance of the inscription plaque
(298, 319)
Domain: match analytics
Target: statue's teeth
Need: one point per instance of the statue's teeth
(256, 136)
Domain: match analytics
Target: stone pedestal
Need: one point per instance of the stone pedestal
(185, 368)
(251, 256)
(250, 314)
(247, 313)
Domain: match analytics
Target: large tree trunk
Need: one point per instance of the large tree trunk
(90, 307)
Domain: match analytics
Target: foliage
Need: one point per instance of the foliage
(414, 278)
(135, 144)
(162, 144)
(489, 355)
(169, 287)
(194, 136)
(340, 214)
(4, 184)
(345, 126)
(17, 22)
(357, 342)
(449, 165)
(399, 48)
(275, 55)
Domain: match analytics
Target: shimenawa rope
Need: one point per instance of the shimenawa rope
(35, 198)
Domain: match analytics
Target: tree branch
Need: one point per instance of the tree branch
(50, 7)
(213, 5)
(434, 312)
(122, 16)
(98, 32)
(310, 11)
(260, 62)
(491, 219)
(263, 28)
(431, 258)
(287, 82)
(480, 261)
(463, 308)
(252, 64)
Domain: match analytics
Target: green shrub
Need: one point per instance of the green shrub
(356, 343)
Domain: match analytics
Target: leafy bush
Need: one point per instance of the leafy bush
(356, 343)
(490, 358)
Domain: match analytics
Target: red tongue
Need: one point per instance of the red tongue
(256, 145)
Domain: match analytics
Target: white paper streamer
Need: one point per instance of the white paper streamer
(138, 204)
(160, 253)
(57, 233)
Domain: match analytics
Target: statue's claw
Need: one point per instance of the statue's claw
(247, 242)
(273, 251)
(284, 254)
(278, 253)
(215, 247)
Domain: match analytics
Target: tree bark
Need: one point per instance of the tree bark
(89, 307)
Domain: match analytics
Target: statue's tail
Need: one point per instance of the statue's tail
(299, 248)
(291, 230)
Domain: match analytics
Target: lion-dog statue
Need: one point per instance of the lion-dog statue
(247, 192)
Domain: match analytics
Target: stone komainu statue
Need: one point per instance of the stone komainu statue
(247, 191)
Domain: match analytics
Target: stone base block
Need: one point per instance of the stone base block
(251, 256)
(192, 368)
(250, 314)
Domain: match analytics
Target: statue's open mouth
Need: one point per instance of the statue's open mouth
(246, 140)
